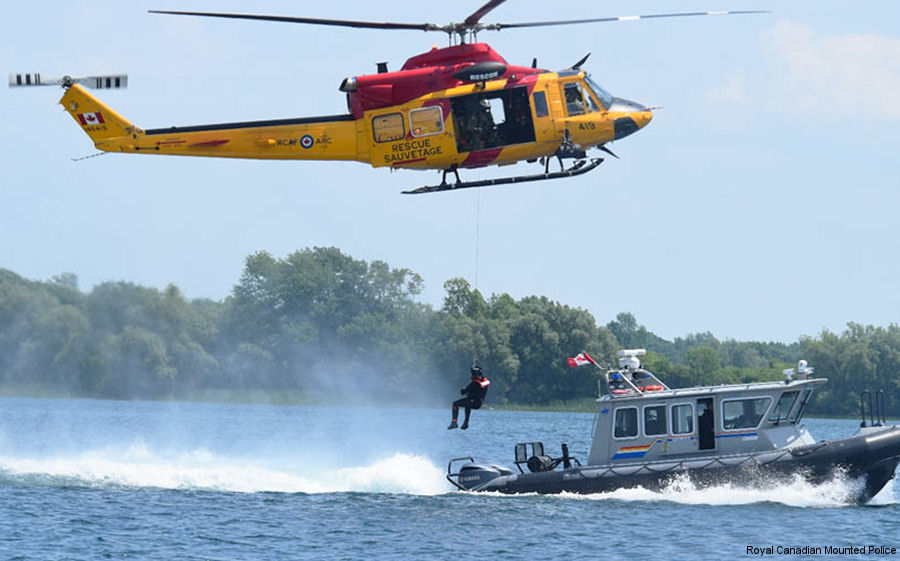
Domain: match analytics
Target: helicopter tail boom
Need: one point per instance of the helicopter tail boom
(96, 119)
(312, 138)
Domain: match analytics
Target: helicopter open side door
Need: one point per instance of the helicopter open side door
(489, 119)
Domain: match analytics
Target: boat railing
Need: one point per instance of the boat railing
(876, 412)
(531, 454)
(730, 387)
(631, 382)
(453, 476)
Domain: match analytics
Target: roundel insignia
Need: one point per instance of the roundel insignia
(307, 141)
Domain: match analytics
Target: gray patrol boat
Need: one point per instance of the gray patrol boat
(646, 434)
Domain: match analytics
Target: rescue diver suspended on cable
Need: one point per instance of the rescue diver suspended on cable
(474, 393)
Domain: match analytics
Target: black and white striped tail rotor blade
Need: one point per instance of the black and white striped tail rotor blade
(107, 81)
(33, 79)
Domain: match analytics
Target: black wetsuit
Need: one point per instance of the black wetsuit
(474, 393)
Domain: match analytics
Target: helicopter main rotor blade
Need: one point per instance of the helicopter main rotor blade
(480, 12)
(312, 21)
(471, 23)
(499, 26)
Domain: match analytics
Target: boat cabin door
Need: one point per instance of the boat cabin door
(706, 424)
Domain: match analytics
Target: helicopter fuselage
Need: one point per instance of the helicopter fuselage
(439, 112)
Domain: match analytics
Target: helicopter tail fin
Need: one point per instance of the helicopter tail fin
(95, 118)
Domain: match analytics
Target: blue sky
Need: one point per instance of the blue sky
(760, 204)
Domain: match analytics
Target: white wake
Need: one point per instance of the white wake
(200, 469)
(798, 492)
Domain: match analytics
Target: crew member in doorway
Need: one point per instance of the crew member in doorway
(474, 396)
(706, 426)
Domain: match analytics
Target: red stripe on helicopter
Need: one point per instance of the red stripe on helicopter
(481, 158)
(209, 143)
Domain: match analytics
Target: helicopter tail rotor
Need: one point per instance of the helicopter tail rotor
(104, 82)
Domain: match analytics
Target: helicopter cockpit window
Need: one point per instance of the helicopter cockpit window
(592, 104)
(604, 96)
(388, 128)
(426, 120)
(540, 104)
(574, 99)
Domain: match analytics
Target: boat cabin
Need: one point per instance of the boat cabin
(641, 419)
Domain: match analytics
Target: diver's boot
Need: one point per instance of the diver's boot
(453, 425)
(465, 425)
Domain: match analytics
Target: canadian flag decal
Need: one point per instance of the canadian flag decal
(92, 118)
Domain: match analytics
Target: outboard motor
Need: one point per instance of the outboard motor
(473, 476)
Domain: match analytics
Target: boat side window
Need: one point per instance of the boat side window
(783, 407)
(426, 120)
(682, 419)
(540, 104)
(800, 405)
(388, 128)
(626, 425)
(744, 413)
(655, 420)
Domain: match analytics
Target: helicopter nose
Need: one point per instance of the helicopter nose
(641, 118)
(637, 117)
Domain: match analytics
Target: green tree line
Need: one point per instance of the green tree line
(319, 325)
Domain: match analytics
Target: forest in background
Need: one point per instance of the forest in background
(321, 327)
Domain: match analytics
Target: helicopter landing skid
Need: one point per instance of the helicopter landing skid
(578, 168)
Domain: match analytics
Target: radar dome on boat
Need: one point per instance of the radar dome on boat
(628, 358)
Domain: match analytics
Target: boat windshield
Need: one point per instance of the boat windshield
(782, 409)
(604, 96)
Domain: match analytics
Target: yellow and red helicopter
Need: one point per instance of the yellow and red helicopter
(457, 107)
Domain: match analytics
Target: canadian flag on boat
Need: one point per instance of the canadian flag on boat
(580, 360)
(91, 118)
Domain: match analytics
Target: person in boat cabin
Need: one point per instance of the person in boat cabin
(474, 396)
(706, 427)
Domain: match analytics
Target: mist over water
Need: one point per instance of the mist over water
(196, 480)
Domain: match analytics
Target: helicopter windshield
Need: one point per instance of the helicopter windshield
(604, 96)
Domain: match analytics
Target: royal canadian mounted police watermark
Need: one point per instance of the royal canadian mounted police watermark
(840, 551)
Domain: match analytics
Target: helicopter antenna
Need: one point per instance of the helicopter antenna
(467, 29)
(577, 65)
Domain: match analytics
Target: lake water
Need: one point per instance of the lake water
(85, 479)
